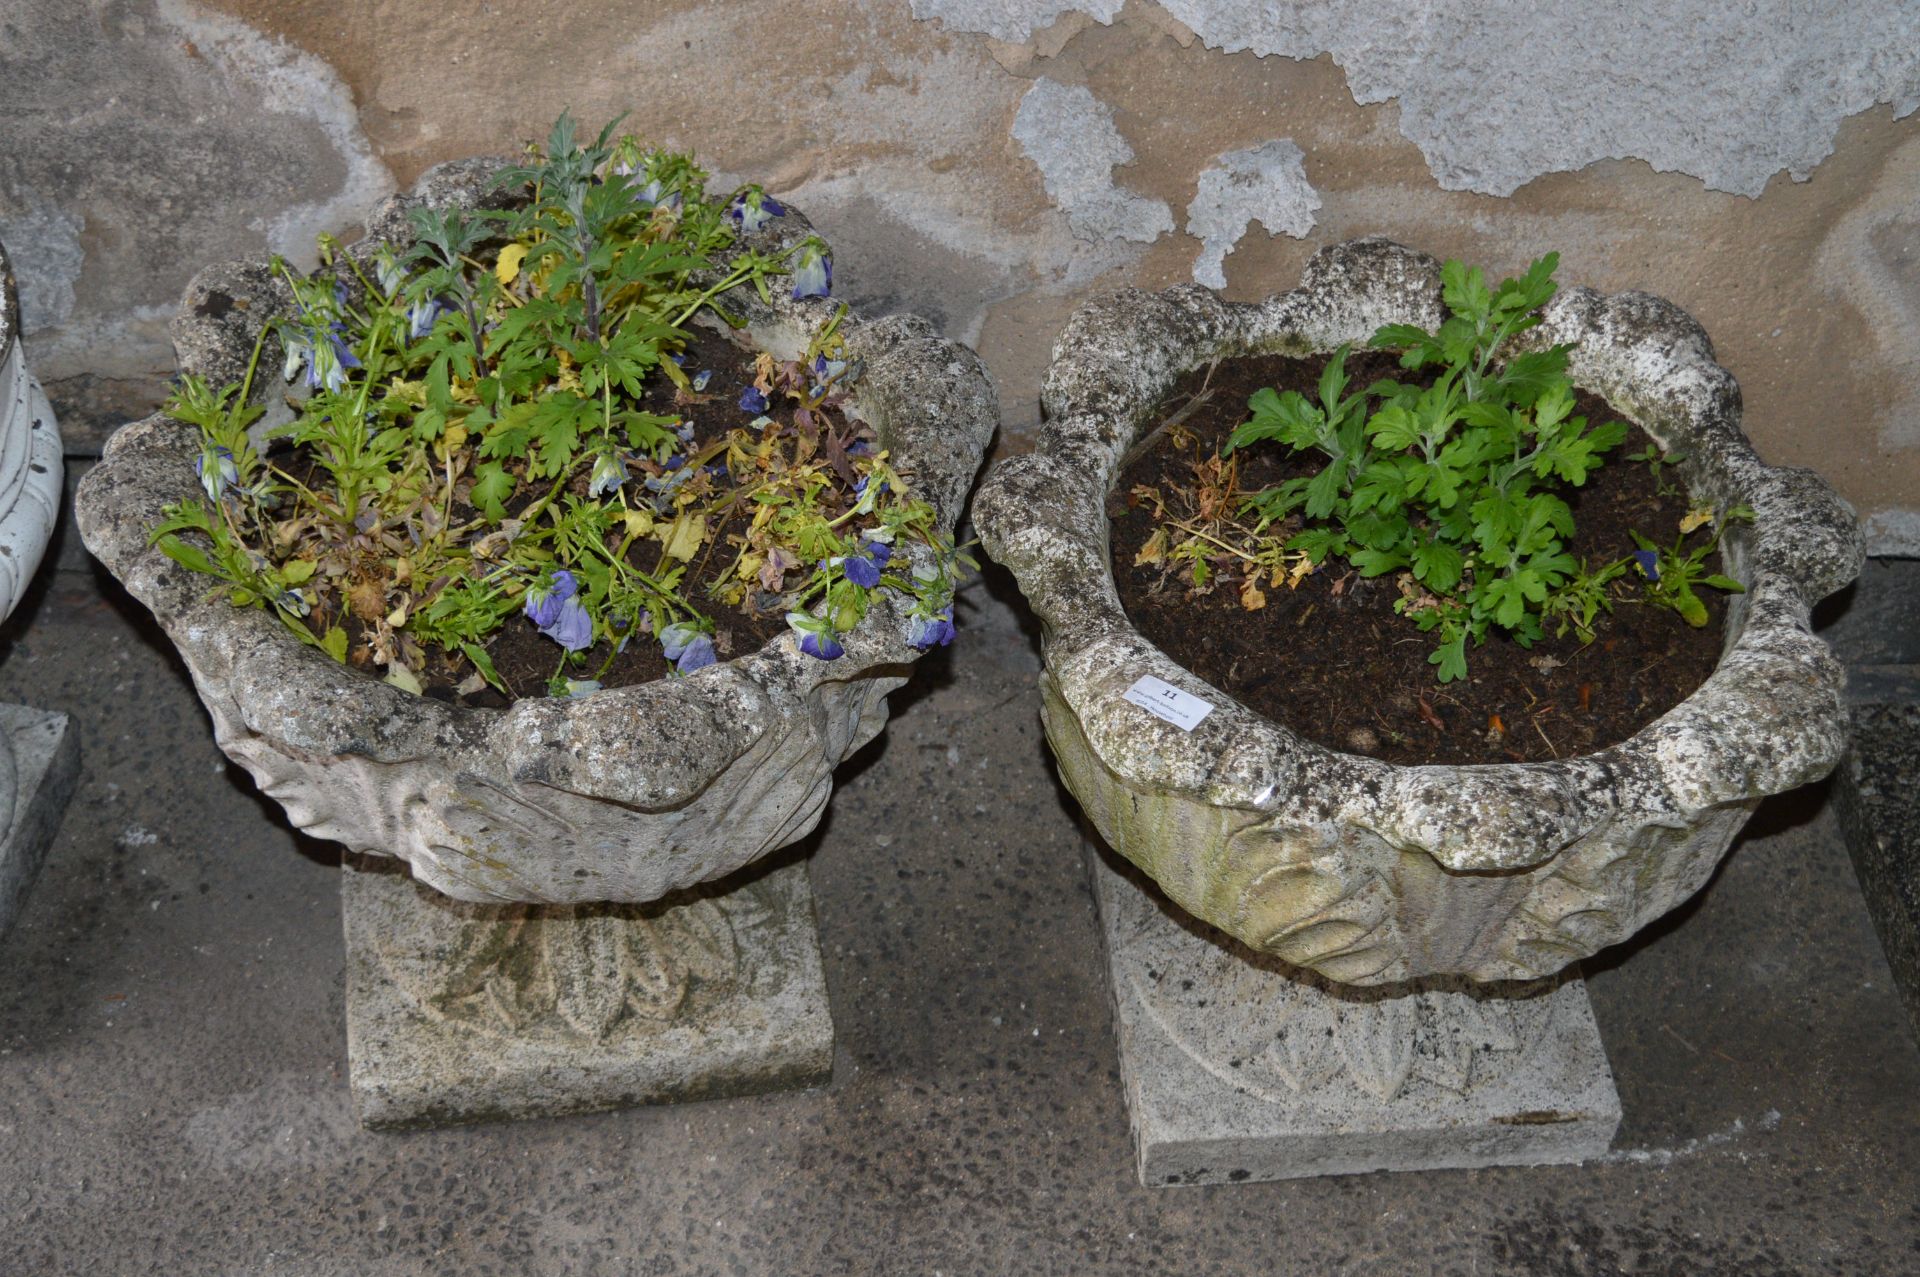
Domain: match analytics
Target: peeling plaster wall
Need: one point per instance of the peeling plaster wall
(992, 163)
(144, 137)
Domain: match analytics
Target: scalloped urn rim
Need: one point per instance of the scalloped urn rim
(1366, 871)
(547, 800)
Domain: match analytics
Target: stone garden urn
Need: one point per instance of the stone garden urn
(634, 795)
(1364, 965)
(39, 755)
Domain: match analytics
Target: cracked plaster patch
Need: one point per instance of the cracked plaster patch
(1011, 20)
(1729, 93)
(1265, 184)
(1070, 135)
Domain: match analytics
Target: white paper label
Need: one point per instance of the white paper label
(1163, 700)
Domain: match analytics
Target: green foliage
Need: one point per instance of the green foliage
(1675, 571)
(473, 422)
(1458, 484)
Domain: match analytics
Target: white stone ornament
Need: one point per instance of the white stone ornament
(39, 758)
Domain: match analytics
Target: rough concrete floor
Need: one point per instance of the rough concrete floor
(172, 1097)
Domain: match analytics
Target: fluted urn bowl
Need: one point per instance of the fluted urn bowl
(622, 796)
(1361, 870)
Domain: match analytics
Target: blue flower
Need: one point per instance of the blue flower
(676, 638)
(822, 647)
(609, 472)
(926, 632)
(215, 467)
(697, 655)
(863, 566)
(684, 431)
(1649, 564)
(812, 272)
(860, 570)
(750, 210)
(387, 272)
(751, 400)
(543, 601)
(572, 628)
(701, 379)
(423, 315)
(817, 638)
(294, 602)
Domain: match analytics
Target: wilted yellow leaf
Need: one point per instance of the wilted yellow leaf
(1251, 597)
(403, 678)
(639, 522)
(507, 268)
(681, 539)
(1696, 519)
(1154, 551)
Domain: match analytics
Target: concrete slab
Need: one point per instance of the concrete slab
(1238, 1067)
(459, 1012)
(46, 757)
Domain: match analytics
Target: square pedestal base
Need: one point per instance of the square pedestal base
(46, 757)
(460, 1013)
(1238, 1067)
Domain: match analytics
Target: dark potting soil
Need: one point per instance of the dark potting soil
(526, 659)
(1332, 661)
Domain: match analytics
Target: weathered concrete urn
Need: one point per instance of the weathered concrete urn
(624, 796)
(1370, 873)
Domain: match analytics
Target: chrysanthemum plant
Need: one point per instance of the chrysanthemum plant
(1455, 485)
(471, 448)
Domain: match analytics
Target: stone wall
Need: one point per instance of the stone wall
(991, 163)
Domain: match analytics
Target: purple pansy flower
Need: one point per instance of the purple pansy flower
(542, 604)
(423, 315)
(812, 272)
(926, 632)
(697, 655)
(572, 628)
(752, 400)
(676, 638)
(822, 647)
(609, 472)
(750, 210)
(817, 638)
(1649, 564)
(216, 469)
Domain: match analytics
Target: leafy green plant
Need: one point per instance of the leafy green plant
(1457, 484)
(1673, 573)
(474, 440)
